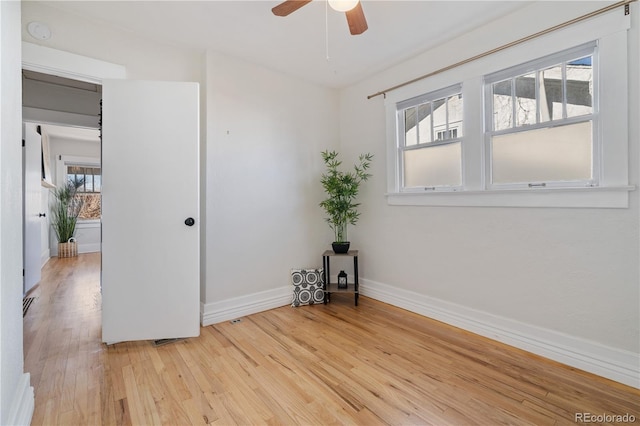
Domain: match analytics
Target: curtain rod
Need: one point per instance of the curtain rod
(624, 3)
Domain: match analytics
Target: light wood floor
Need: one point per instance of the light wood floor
(316, 365)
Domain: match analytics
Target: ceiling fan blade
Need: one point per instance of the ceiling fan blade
(288, 6)
(356, 20)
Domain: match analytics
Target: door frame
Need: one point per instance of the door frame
(31, 269)
(68, 65)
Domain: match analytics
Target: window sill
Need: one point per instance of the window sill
(597, 197)
(88, 223)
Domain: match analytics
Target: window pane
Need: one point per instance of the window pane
(554, 154)
(551, 97)
(502, 105)
(455, 116)
(410, 129)
(85, 179)
(78, 182)
(424, 120)
(433, 166)
(526, 100)
(439, 117)
(88, 183)
(91, 207)
(579, 87)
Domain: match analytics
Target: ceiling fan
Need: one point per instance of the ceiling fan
(352, 8)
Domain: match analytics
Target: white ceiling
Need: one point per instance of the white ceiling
(297, 44)
(74, 133)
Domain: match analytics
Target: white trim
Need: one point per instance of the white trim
(89, 248)
(82, 248)
(63, 160)
(228, 309)
(69, 65)
(23, 404)
(45, 116)
(596, 197)
(44, 257)
(88, 223)
(615, 364)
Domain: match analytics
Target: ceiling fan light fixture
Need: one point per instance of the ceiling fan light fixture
(343, 5)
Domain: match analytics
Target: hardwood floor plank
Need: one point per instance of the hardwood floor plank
(314, 365)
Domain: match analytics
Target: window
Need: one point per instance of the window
(545, 125)
(88, 182)
(429, 140)
(540, 119)
(447, 134)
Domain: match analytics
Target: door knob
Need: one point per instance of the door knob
(189, 221)
(42, 215)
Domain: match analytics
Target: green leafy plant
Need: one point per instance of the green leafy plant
(342, 190)
(65, 209)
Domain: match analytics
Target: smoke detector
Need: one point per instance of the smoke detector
(39, 30)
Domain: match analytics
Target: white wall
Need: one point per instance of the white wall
(70, 147)
(570, 276)
(45, 226)
(16, 394)
(265, 132)
(144, 59)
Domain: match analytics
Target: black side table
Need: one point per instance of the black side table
(330, 287)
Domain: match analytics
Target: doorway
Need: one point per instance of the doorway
(151, 128)
(61, 119)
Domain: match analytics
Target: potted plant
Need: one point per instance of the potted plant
(65, 209)
(342, 190)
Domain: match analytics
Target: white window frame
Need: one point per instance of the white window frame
(588, 49)
(61, 173)
(610, 32)
(445, 93)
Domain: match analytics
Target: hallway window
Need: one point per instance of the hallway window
(88, 181)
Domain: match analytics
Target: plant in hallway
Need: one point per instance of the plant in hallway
(65, 209)
(342, 190)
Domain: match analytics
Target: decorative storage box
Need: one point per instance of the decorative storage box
(308, 286)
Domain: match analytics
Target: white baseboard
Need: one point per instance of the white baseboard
(23, 404)
(615, 364)
(82, 248)
(89, 248)
(44, 257)
(225, 310)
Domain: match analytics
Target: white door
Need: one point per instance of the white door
(33, 211)
(150, 206)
